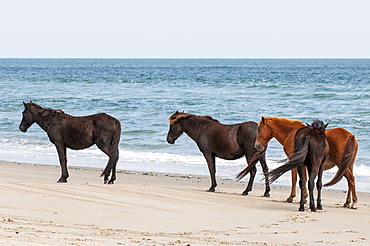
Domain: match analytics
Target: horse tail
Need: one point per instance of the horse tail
(299, 155)
(347, 159)
(256, 157)
(113, 157)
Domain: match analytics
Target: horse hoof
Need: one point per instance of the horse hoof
(289, 201)
(245, 193)
(346, 205)
(111, 182)
(211, 190)
(301, 209)
(319, 207)
(266, 195)
(62, 181)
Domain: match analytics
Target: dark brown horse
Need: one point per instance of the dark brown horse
(66, 131)
(343, 150)
(311, 150)
(214, 139)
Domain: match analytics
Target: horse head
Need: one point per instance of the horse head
(176, 128)
(319, 124)
(264, 135)
(27, 119)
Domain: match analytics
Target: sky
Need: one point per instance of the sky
(184, 29)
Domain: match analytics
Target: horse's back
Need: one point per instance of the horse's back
(84, 122)
(227, 141)
(337, 134)
(103, 119)
(248, 130)
(104, 123)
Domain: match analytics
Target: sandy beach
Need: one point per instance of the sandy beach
(164, 209)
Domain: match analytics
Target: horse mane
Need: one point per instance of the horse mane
(286, 120)
(49, 111)
(46, 111)
(177, 116)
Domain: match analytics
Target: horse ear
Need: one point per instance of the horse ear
(326, 125)
(176, 112)
(263, 119)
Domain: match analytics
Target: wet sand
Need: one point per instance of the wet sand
(164, 209)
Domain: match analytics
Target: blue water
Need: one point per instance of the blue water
(143, 93)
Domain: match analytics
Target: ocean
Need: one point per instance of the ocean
(143, 93)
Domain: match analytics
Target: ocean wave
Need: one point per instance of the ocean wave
(22, 145)
(159, 162)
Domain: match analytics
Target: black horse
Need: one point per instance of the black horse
(66, 131)
(214, 139)
(311, 150)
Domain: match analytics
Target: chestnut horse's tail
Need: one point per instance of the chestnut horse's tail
(299, 155)
(347, 160)
(256, 157)
(113, 157)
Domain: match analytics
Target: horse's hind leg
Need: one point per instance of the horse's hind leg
(302, 181)
(113, 158)
(293, 188)
(113, 177)
(351, 190)
(112, 162)
(252, 175)
(319, 187)
(312, 173)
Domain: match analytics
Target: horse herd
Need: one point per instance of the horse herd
(309, 147)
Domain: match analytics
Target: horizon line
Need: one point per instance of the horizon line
(184, 57)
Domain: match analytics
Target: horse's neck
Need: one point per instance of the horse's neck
(193, 127)
(44, 121)
(281, 131)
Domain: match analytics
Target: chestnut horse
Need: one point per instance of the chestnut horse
(343, 148)
(66, 131)
(311, 150)
(214, 139)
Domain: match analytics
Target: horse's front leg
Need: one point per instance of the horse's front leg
(62, 153)
(265, 172)
(211, 162)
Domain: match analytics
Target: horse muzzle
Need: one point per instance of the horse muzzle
(22, 129)
(259, 147)
(170, 141)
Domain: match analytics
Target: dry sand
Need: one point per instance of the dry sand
(164, 209)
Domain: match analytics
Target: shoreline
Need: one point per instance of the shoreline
(148, 208)
(81, 159)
